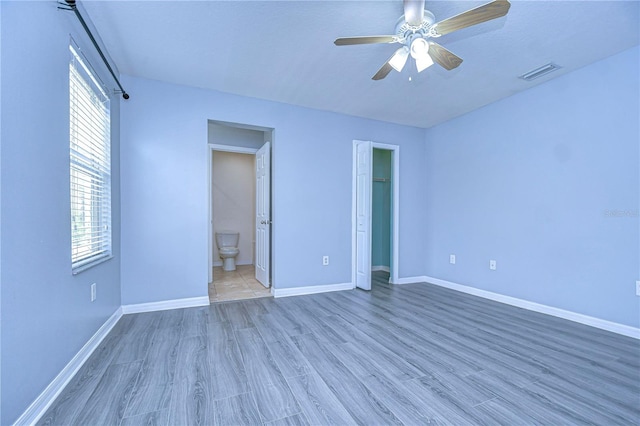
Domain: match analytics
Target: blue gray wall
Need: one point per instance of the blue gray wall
(381, 209)
(164, 202)
(546, 183)
(47, 315)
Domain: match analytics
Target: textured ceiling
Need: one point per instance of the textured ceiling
(283, 50)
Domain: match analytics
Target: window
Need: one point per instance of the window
(90, 167)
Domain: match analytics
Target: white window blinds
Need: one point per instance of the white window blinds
(90, 167)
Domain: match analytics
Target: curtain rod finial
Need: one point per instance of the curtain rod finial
(125, 95)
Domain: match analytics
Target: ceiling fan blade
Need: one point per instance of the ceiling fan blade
(383, 71)
(480, 14)
(346, 41)
(413, 11)
(443, 57)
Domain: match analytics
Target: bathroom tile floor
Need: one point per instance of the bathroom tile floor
(236, 285)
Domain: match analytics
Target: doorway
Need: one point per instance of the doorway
(239, 204)
(381, 214)
(375, 208)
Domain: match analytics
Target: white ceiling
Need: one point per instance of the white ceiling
(283, 50)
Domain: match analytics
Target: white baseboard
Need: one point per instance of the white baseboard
(411, 280)
(38, 407)
(299, 291)
(164, 305)
(380, 268)
(614, 327)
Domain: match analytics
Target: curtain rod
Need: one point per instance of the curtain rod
(72, 5)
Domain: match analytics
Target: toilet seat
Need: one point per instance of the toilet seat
(228, 251)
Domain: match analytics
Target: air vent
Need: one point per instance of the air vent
(539, 72)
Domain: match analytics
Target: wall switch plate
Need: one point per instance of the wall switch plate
(452, 259)
(492, 265)
(93, 292)
(637, 288)
(325, 260)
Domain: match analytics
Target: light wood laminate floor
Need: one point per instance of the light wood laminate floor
(236, 285)
(411, 354)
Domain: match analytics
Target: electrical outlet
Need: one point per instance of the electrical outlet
(637, 288)
(452, 259)
(325, 260)
(492, 265)
(93, 292)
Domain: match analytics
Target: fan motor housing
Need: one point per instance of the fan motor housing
(404, 29)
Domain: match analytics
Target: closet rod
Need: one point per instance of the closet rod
(72, 5)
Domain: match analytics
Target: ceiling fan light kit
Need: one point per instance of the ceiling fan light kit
(420, 52)
(416, 26)
(399, 58)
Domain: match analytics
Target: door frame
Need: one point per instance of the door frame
(395, 202)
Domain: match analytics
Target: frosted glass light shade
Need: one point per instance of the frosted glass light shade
(420, 52)
(399, 58)
(424, 62)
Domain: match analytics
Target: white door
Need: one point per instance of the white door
(364, 152)
(263, 213)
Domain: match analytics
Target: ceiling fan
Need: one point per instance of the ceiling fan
(415, 28)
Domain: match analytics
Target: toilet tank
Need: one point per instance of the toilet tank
(227, 239)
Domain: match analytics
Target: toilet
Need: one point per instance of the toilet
(227, 242)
